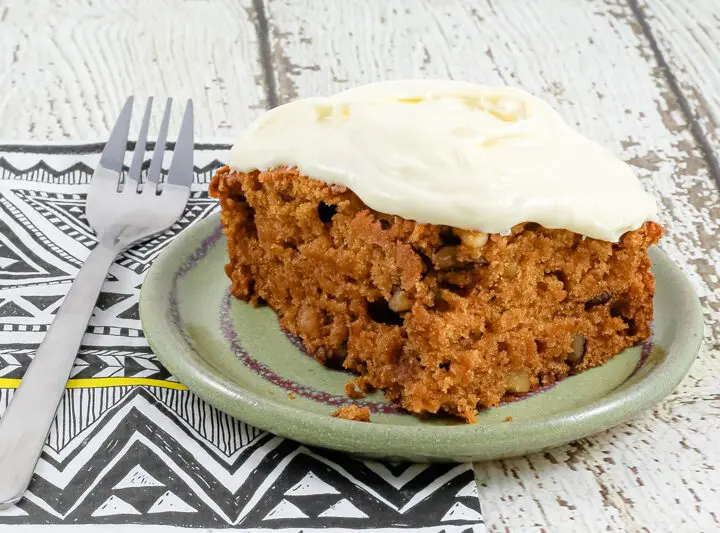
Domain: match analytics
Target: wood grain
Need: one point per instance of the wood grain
(594, 63)
(687, 35)
(66, 67)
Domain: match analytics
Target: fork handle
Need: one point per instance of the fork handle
(25, 425)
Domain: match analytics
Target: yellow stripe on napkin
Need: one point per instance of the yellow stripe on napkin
(93, 383)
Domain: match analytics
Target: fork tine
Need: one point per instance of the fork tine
(157, 157)
(137, 161)
(113, 154)
(181, 168)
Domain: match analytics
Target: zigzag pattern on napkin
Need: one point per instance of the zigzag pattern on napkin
(79, 173)
(169, 445)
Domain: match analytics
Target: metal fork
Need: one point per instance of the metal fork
(120, 214)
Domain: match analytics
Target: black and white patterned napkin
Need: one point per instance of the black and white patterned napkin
(130, 448)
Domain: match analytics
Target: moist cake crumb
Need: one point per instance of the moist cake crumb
(440, 319)
(357, 388)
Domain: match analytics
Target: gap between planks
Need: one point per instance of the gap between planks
(265, 53)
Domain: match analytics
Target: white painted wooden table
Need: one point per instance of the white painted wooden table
(640, 76)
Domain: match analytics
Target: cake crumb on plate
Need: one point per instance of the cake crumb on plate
(353, 412)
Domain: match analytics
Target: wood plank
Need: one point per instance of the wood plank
(594, 64)
(687, 33)
(66, 68)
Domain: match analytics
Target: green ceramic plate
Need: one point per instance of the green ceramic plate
(239, 360)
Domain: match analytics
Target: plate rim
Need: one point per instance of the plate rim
(428, 443)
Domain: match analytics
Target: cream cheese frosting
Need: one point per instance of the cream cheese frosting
(453, 153)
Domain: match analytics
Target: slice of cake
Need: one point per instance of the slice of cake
(452, 244)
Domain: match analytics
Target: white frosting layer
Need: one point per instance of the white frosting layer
(453, 153)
